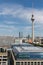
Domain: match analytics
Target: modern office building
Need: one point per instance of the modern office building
(3, 56)
(26, 54)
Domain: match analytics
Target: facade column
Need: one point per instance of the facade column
(23, 63)
(27, 63)
(30, 63)
(6, 62)
(20, 63)
(40, 63)
(36, 63)
(14, 63)
(1, 63)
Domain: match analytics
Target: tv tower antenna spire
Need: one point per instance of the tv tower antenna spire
(32, 19)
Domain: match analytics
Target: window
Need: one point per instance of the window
(4, 63)
(17, 63)
(4, 59)
(38, 63)
(41, 63)
(35, 63)
(28, 63)
(31, 63)
(25, 63)
(4, 56)
(0, 63)
(0, 59)
(1, 50)
(0, 56)
(21, 63)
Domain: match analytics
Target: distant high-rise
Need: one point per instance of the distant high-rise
(20, 34)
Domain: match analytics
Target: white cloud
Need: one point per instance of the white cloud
(6, 27)
(11, 22)
(27, 28)
(18, 11)
(24, 13)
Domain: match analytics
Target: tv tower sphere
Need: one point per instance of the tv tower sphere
(32, 19)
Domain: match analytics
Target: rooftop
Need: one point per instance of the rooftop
(20, 44)
(26, 47)
(27, 51)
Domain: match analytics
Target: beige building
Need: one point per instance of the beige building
(3, 56)
(26, 62)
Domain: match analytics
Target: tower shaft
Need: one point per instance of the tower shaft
(32, 19)
(32, 31)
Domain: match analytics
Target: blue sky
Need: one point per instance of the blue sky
(15, 17)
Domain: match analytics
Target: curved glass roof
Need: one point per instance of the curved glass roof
(23, 44)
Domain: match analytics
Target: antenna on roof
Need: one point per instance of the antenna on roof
(32, 19)
(32, 7)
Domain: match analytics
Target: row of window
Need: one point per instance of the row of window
(3, 59)
(3, 63)
(29, 63)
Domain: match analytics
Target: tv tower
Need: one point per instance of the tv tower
(32, 19)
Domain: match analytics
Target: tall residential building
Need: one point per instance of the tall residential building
(20, 34)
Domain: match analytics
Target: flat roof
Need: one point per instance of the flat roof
(22, 44)
(28, 49)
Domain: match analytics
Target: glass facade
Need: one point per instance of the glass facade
(29, 55)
